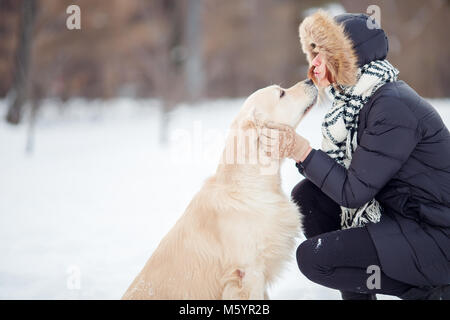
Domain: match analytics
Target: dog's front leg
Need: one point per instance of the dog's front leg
(244, 283)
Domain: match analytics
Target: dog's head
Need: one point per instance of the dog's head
(279, 105)
(271, 104)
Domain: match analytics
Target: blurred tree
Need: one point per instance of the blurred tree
(175, 50)
(254, 43)
(167, 61)
(195, 77)
(21, 80)
(9, 23)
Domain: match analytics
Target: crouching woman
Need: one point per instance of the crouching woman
(376, 198)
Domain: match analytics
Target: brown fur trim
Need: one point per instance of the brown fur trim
(320, 33)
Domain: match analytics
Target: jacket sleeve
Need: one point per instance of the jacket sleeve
(389, 138)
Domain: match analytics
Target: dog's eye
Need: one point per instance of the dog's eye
(282, 92)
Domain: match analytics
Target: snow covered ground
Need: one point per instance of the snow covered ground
(81, 214)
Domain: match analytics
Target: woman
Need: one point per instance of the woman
(375, 203)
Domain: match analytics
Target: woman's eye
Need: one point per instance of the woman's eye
(282, 92)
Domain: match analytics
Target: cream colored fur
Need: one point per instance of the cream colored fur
(239, 229)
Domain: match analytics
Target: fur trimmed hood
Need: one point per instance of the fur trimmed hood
(346, 41)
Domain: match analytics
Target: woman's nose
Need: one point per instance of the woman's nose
(316, 61)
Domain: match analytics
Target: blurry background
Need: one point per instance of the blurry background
(107, 132)
(181, 49)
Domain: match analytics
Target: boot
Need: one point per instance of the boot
(348, 295)
(445, 292)
(427, 293)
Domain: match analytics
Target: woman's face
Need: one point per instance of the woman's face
(319, 69)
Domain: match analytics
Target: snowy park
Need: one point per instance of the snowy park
(114, 113)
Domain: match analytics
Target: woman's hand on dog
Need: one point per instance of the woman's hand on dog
(280, 141)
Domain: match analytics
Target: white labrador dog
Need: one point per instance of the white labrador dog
(240, 228)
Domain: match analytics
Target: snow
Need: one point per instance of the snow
(319, 243)
(82, 213)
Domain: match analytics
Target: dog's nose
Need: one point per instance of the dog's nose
(309, 82)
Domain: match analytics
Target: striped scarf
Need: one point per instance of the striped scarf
(340, 128)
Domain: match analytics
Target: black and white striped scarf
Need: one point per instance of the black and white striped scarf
(340, 128)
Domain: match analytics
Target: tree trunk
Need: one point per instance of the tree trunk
(29, 148)
(194, 64)
(21, 82)
(169, 80)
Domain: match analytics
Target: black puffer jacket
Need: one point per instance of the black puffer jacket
(403, 160)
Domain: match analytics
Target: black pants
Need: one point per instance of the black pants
(335, 258)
